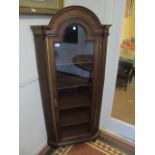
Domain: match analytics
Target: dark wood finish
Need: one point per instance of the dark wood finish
(74, 116)
(66, 101)
(76, 131)
(71, 102)
(66, 80)
(84, 62)
(125, 73)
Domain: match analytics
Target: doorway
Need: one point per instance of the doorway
(118, 95)
(124, 96)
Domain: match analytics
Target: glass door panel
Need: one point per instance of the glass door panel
(74, 73)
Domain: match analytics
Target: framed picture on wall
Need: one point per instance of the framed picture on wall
(40, 6)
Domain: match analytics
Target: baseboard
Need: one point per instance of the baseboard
(117, 138)
(41, 147)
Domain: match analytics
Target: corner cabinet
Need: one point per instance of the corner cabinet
(71, 56)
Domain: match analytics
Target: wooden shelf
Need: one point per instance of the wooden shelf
(79, 61)
(71, 63)
(75, 131)
(74, 98)
(74, 101)
(82, 59)
(80, 136)
(66, 80)
(74, 116)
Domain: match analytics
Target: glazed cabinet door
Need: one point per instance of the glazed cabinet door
(73, 62)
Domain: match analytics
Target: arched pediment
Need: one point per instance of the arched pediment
(75, 15)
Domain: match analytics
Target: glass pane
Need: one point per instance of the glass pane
(74, 68)
(124, 98)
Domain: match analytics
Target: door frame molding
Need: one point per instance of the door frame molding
(123, 129)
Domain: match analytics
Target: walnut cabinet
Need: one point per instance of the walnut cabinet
(71, 55)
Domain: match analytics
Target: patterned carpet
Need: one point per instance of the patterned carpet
(102, 146)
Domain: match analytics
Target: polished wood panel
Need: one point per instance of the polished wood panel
(69, 102)
(75, 131)
(74, 116)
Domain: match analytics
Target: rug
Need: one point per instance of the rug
(101, 146)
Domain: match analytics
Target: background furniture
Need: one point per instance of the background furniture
(71, 98)
(126, 68)
(125, 73)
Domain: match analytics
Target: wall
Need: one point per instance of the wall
(32, 129)
(128, 29)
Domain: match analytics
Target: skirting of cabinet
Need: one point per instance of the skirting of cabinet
(79, 139)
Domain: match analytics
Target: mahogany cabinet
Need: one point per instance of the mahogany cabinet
(71, 55)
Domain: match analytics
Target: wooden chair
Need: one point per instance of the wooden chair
(125, 74)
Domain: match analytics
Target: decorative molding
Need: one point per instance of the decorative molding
(112, 60)
(115, 136)
(28, 80)
(107, 122)
(125, 130)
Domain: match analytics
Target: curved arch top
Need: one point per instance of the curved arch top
(75, 15)
(76, 11)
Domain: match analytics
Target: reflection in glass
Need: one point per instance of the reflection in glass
(74, 68)
(124, 98)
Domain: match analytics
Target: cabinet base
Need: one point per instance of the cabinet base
(73, 141)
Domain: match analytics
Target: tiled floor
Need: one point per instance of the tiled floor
(105, 144)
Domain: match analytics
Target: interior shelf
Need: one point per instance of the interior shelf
(74, 101)
(67, 80)
(70, 63)
(82, 59)
(74, 98)
(75, 131)
(74, 116)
